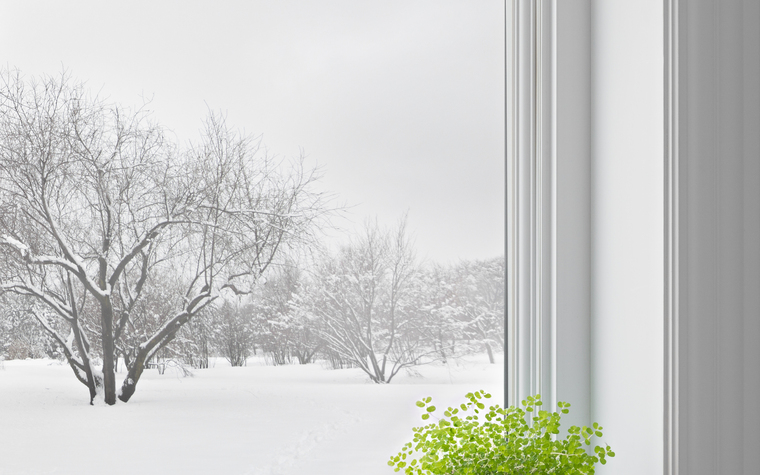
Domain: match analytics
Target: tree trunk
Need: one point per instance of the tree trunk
(441, 346)
(378, 376)
(84, 349)
(133, 376)
(106, 333)
(130, 383)
(490, 353)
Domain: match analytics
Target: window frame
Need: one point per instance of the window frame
(711, 229)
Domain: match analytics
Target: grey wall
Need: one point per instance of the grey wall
(718, 338)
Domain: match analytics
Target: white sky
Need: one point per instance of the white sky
(401, 102)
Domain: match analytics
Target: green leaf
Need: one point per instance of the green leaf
(420, 404)
(504, 442)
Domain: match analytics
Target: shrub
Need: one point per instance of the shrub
(507, 442)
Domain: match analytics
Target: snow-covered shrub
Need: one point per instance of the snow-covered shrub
(233, 332)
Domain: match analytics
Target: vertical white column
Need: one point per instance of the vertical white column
(530, 201)
(627, 232)
(549, 204)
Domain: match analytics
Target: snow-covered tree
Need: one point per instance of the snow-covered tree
(95, 201)
(479, 302)
(285, 328)
(362, 297)
(20, 335)
(441, 318)
(194, 343)
(461, 306)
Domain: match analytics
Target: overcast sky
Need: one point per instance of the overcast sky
(400, 102)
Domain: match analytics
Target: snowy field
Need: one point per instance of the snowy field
(255, 420)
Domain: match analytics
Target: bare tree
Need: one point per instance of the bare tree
(95, 202)
(363, 299)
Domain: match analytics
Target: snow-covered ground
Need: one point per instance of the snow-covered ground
(255, 420)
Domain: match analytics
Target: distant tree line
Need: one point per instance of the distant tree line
(370, 305)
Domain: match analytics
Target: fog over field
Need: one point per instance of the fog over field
(401, 103)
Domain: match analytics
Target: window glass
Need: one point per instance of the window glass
(313, 364)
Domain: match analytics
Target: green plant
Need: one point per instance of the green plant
(507, 442)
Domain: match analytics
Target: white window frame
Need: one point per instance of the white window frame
(711, 233)
(535, 124)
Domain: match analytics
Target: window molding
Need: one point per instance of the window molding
(530, 193)
(548, 195)
(672, 243)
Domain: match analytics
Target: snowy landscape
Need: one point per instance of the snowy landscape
(194, 282)
(256, 419)
(246, 239)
